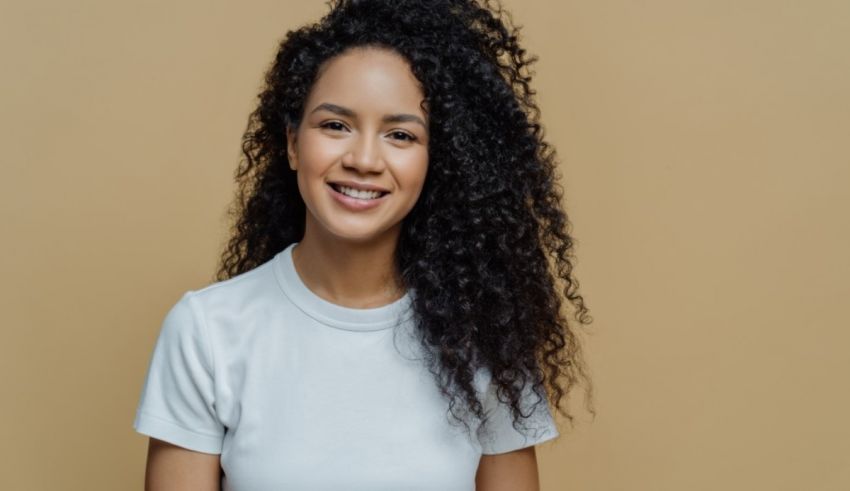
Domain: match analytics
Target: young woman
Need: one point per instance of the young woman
(388, 313)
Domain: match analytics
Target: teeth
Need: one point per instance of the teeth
(356, 193)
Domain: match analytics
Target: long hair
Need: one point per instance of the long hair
(487, 247)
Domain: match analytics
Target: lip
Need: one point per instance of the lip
(355, 204)
(361, 186)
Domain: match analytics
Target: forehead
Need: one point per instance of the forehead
(369, 79)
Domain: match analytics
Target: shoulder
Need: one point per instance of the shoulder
(240, 292)
(215, 311)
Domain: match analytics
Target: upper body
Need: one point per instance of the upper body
(291, 391)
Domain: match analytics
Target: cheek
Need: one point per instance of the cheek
(412, 168)
(417, 172)
(318, 153)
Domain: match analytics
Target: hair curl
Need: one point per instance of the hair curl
(487, 247)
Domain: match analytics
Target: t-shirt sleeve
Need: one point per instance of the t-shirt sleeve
(497, 434)
(177, 403)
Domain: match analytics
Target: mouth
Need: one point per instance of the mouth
(357, 193)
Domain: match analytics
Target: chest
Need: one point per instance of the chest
(320, 413)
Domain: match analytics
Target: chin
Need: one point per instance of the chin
(360, 236)
(353, 235)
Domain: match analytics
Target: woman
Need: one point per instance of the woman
(388, 310)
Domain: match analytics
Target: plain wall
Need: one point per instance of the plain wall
(705, 148)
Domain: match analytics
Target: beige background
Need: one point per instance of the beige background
(705, 149)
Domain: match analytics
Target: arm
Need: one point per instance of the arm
(510, 471)
(170, 467)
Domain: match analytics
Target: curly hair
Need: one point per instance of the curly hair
(487, 247)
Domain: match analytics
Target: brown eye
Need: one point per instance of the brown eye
(333, 125)
(403, 135)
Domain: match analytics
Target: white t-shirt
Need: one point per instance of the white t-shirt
(296, 392)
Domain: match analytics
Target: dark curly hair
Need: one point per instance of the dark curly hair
(487, 247)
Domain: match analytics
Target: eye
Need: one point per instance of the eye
(404, 136)
(333, 125)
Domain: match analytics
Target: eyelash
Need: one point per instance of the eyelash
(408, 136)
(327, 125)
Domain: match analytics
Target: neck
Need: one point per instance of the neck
(350, 274)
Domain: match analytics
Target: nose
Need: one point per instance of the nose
(364, 155)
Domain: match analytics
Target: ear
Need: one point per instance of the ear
(291, 153)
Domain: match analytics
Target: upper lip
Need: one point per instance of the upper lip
(360, 185)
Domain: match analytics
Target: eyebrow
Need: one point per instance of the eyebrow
(389, 118)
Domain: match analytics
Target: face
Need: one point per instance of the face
(362, 128)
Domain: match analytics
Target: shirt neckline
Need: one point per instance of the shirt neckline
(331, 314)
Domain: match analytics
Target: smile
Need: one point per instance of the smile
(357, 193)
(369, 199)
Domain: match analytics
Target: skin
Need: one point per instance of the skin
(346, 256)
(173, 468)
(510, 471)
